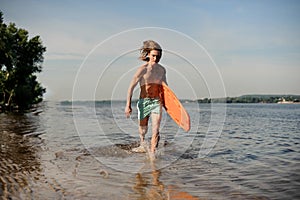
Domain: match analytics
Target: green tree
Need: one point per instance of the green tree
(20, 59)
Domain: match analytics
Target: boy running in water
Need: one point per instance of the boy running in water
(149, 76)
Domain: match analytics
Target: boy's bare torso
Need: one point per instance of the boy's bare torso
(150, 83)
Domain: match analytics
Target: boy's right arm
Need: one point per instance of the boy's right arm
(136, 78)
(128, 108)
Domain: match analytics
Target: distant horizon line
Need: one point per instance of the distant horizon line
(182, 99)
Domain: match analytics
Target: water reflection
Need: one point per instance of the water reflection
(19, 162)
(149, 186)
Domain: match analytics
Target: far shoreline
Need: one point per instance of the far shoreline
(244, 99)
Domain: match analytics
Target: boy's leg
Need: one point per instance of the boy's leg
(156, 118)
(143, 128)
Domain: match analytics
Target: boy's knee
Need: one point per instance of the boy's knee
(143, 130)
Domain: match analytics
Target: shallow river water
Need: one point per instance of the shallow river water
(82, 151)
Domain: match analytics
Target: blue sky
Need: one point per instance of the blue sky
(254, 45)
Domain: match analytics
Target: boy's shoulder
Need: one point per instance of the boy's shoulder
(143, 66)
(162, 67)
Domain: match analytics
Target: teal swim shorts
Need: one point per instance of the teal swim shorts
(147, 106)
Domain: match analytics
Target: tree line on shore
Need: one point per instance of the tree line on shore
(254, 99)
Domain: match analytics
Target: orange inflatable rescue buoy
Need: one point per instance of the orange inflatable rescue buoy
(175, 109)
